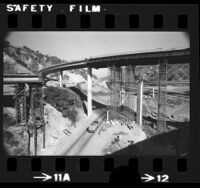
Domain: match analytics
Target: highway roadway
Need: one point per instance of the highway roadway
(85, 137)
(149, 57)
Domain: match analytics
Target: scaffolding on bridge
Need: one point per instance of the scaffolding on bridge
(121, 81)
(115, 93)
(162, 96)
(30, 113)
(124, 89)
(20, 103)
(128, 90)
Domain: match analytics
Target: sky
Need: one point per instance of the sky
(79, 45)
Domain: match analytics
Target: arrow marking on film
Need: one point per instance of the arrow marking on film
(147, 178)
(45, 177)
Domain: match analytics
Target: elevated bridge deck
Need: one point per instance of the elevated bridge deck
(21, 78)
(173, 56)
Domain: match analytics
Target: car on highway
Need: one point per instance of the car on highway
(68, 131)
(92, 128)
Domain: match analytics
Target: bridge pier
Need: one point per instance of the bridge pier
(61, 78)
(153, 95)
(89, 91)
(162, 96)
(139, 103)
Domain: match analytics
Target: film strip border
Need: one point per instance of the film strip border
(84, 169)
(112, 17)
(109, 21)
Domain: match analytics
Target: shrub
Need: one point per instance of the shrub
(66, 113)
(60, 103)
(19, 151)
(15, 143)
(8, 121)
(64, 101)
(8, 135)
(74, 116)
(8, 68)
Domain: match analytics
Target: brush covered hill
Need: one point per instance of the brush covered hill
(30, 60)
(10, 66)
(66, 105)
(26, 60)
(175, 72)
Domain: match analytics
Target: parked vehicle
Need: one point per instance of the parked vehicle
(67, 132)
(92, 128)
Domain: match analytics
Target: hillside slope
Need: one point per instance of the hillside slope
(35, 61)
(26, 60)
(10, 66)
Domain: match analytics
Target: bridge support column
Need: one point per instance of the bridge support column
(89, 91)
(153, 95)
(139, 103)
(162, 96)
(61, 78)
(107, 115)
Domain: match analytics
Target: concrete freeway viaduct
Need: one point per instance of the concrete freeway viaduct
(153, 57)
(35, 82)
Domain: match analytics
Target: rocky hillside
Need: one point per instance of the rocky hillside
(176, 72)
(26, 60)
(30, 59)
(11, 66)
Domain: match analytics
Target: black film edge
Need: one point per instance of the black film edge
(99, 93)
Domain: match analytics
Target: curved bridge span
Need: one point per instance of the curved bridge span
(150, 57)
(35, 84)
(173, 56)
